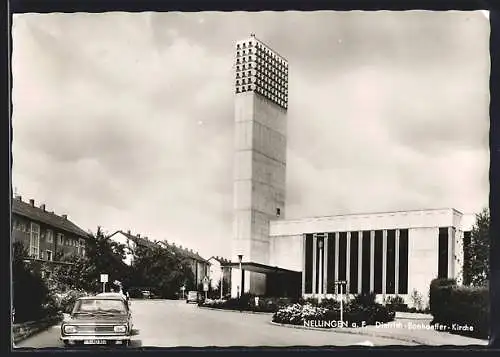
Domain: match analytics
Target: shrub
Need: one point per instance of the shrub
(365, 299)
(462, 306)
(247, 303)
(32, 300)
(66, 301)
(362, 309)
(417, 300)
(396, 303)
(330, 304)
(437, 296)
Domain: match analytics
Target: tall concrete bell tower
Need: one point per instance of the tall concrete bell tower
(261, 102)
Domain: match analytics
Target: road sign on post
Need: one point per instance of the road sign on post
(340, 284)
(104, 280)
(205, 286)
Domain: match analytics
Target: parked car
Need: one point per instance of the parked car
(193, 296)
(104, 319)
(146, 294)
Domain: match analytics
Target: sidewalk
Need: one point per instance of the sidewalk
(407, 327)
(416, 331)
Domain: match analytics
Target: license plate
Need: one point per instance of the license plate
(94, 342)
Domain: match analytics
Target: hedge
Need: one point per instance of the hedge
(460, 306)
(247, 303)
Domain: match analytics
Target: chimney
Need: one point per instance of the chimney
(19, 198)
(32, 202)
(138, 235)
(64, 216)
(128, 232)
(43, 207)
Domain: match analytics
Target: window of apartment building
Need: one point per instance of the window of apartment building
(50, 236)
(60, 238)
(34, 240)
(49, 255)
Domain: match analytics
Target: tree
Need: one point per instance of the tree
(476, 272)
(102, 256)
(161, 269)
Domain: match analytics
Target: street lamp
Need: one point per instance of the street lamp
(240, 258)
(320, 246)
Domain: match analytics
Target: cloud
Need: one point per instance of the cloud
(126, 120)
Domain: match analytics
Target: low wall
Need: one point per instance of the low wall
(24, 330)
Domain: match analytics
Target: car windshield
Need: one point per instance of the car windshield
(91, 306)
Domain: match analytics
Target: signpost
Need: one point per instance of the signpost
(205, 286)
(104, 280)
(340, 284)
(183, 288)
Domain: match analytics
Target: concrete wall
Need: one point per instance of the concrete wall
(359, 222)
(422, 260)
(259, 175)
(286, 252)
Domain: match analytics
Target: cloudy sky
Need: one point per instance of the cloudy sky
(126, 120)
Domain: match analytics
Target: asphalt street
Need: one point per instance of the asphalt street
(166, 323)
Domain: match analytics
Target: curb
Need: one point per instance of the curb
(236, 311)
(356, 332)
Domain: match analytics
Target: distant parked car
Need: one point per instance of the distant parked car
(104, 319)
(117, 295)
(146, 294)
(193, 296)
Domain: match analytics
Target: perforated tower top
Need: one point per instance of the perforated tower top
(261, 70)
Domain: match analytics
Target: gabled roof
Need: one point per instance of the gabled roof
(40, 215)
(188, 253)
(219, 259)
(137, 240)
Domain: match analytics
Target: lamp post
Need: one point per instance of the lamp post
(240, 258)
(320, 282)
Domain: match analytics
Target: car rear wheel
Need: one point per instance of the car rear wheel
(66, 343)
